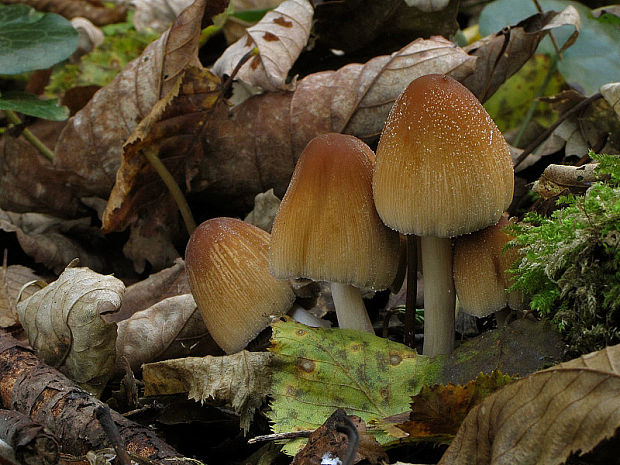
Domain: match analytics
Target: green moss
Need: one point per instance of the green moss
(571, 263)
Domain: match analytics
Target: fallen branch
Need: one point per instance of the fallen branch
(32, 443)
(44, 394)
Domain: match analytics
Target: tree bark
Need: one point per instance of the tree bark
(48, 397)
(31, 442)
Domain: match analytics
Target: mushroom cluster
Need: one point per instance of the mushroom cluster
(443, 169)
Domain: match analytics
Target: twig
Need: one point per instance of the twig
(412, 290)
(277, 436)
(29, 136)
(173, 187)
(542, 137)
(353, 435)
(102, 413)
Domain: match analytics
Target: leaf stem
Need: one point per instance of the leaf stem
(173, 187)
(30, 137)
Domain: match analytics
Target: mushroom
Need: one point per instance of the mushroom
(226, 262)
(327, 228)
(481, 277)
(443, 169)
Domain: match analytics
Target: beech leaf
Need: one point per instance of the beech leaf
(545, 417)
(12, 278)
(64, 325)
(241, 380)
(279, 38)
(171, 328)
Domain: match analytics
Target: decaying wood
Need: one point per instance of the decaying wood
(29, 386)
(32, 443)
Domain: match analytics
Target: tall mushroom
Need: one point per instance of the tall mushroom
(226, 262)
(443, 169)
(327, 228)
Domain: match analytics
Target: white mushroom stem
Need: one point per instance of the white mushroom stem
(303, 316)
(350, 308)
(439, 296)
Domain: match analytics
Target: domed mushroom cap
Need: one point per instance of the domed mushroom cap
(228, 270)
(480, 271)
(443, 167)
(327, 228)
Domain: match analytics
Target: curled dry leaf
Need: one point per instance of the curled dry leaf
(90, 145)
(12, 278)
(611, 93)
(171, 328)
(157, 14)
(241, 380)
(54, 242)
(546, 417)
(64, 325)
(279, 38)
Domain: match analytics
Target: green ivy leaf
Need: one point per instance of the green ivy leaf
(29, 104)
(316, 371)
(594, 58)
(32, 40)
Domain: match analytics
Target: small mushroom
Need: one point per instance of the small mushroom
(481, 275)
(443, 169)
(327, 228)
(226, 262)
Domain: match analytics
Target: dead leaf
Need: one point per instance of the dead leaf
(93, 11)
(64, 325)
(90, 145)
(171, 328)
(279, 37)
(157, 14)
(54, 242)
(241, 380)
(438, 411)
(29, 182)
(611, 93)
(169, 282)
(330, 441)
(546, 417)
(559, 180)
(265, 208)
(11, 281)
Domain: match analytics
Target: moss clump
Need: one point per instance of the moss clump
(570, 263)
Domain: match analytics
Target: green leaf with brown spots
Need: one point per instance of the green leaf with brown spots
(316, 371)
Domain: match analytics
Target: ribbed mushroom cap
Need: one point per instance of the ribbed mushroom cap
(443, 167)
(327, 228)
(480, 270)
(228, 270)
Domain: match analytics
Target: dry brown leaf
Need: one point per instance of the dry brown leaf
(266, 206)
(501, 55)
(29, 182)
(279, 38)
(92, 11)
(139, 296)
(64, 325)
(171, 328)
(11, 281)
(90, 145)
(54, 242)
(157, 14)
(611, 93)
(545, 417)
(241, 380)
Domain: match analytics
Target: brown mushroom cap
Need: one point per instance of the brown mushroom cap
(327, 228)
(480, 270)
(443, 167)
(226, 261)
